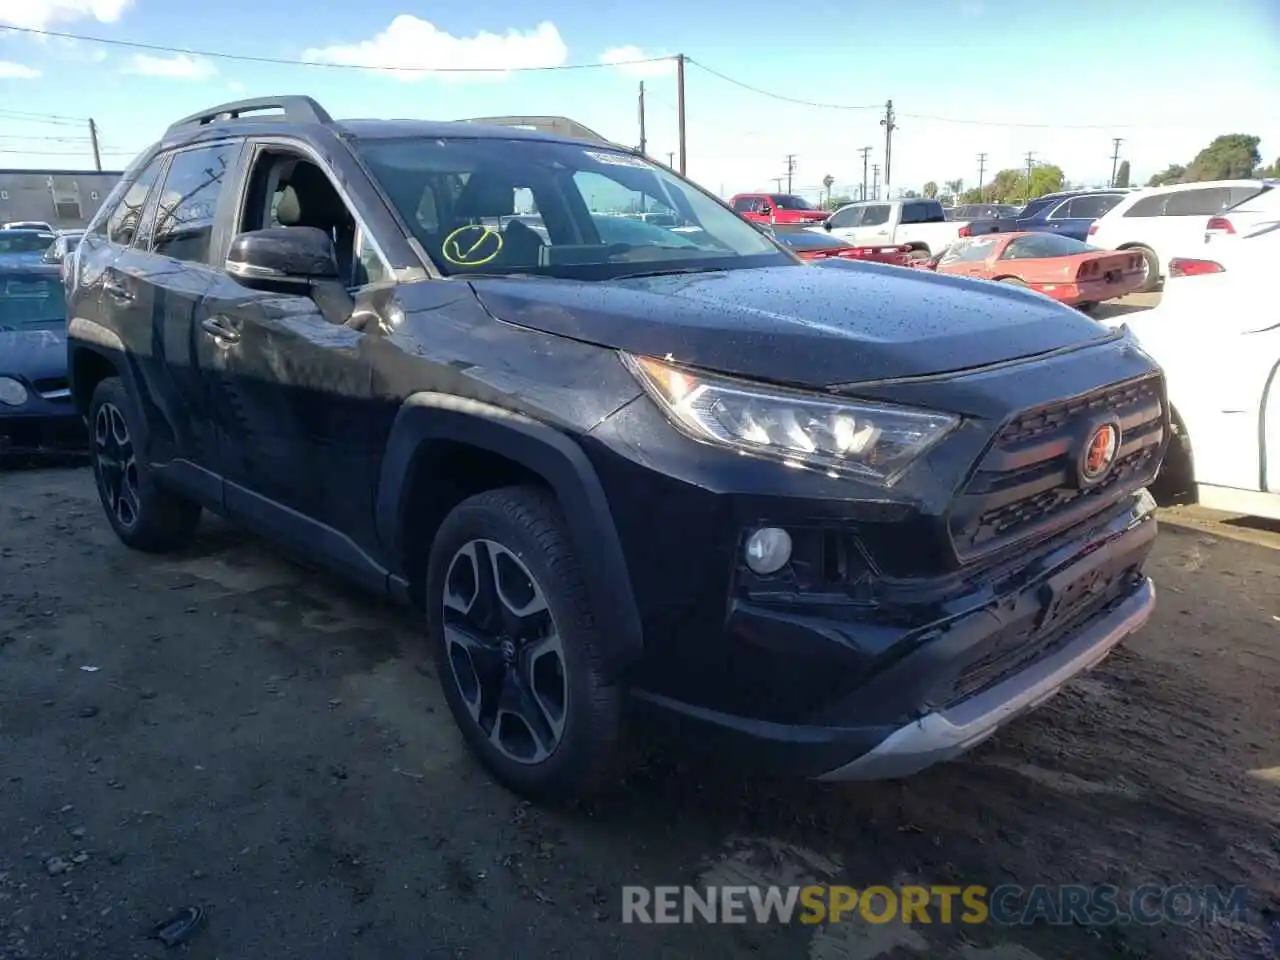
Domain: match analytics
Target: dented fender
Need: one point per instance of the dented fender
(552, 455)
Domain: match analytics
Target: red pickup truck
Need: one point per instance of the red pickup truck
(777, 208)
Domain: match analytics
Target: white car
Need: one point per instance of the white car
(1256, 215)
(918, 223)
(1168, 222)
(27, 225)
(1216, 333)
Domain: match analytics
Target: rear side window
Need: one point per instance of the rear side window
(1149, 206)
(1204, 202)
(1241, 195)
(744, 204)
(1086, 208)
(184, 219)
(922, 211)
(124, 219)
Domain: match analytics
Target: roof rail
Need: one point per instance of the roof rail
(297, 109)
(562, 126)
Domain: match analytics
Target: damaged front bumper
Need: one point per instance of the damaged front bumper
(1003, 648)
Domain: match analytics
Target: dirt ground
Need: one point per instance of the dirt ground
(227, 729)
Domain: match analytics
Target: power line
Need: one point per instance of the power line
(776, 96)
(913, 116)
(284, 61)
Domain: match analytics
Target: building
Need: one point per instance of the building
(65, 198)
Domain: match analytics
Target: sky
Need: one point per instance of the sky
(1059, 79)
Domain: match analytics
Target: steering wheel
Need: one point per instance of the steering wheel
(457, 251)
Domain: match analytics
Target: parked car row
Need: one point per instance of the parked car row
(36, 412)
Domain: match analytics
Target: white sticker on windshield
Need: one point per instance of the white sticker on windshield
(617, 159)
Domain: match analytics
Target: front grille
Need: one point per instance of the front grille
(1027, 481)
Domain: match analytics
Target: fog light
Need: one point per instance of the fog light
(767, 550)
(12, 393)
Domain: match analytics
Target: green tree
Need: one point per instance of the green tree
(1045, 178)
(1229, 157)
(931, 190)
(1005, 185)
(835, 203)
(972, 195)
(827, 181)
(1122, 175)
(1174, 173)
(1271, 173)
(954, 187)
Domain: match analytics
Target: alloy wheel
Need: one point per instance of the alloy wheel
(505, 651)
(117, 465)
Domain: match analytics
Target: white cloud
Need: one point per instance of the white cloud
(412, 42)
(17, 71)
(622, 57)
(178, 67)
(41, 14)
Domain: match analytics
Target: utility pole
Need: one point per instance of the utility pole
(875, 181)
(671, 159)
(1115, 157)
(866, 152)
(642, 140)
(1030, 163)
(777, 184)
(982, 169)
(680, 107)
(889, 127)
(791, 168)
(97, 156)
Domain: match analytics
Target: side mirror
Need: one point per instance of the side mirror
(826, 224)
(766, 211)
(282, 256)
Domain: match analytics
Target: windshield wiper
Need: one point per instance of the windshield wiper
(668, 271)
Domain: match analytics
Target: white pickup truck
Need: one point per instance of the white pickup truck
(918, 223)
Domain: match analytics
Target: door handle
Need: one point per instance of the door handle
(220, 328)
(116, 289)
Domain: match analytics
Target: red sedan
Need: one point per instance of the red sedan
(1066, 270)
(812, 245)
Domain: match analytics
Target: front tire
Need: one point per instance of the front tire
(517, 648)
(143, 514)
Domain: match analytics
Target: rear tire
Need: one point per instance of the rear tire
(1087, 307)
(144, 515)
(1012, 281)
(1151, 281)
(521, 665)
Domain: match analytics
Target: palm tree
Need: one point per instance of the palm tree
(827, 182)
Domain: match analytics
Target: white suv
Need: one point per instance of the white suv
(1168, 222)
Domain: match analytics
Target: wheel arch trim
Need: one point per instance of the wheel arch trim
(545, 451)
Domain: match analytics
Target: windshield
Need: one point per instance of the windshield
(1037, 245)
(28, 300)
(503, 206)
(788, 202)
(24, 241)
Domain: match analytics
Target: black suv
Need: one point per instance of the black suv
(848, 518)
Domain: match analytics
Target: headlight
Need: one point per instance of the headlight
(869, 440)
(12, 393)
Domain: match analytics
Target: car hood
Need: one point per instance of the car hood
(34, 353)
(831, 323)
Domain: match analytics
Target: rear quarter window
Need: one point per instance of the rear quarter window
(1204, 202)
